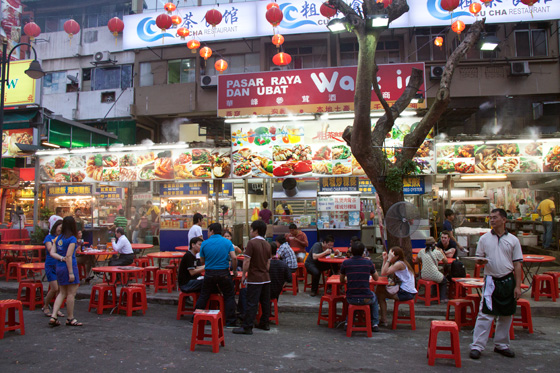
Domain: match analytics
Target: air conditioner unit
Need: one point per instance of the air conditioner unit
(519, 68)
(101, 57)
(436, 72)
(208, 81)
(278, 68)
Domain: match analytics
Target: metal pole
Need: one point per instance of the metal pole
(246, 185)
(3, 63)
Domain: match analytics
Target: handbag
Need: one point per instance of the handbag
(394, 285)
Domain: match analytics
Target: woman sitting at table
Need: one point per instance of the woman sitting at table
(122, 246)
(429, 259)
(86, 260)
(395, 263)
(50, 268)
(66, 271)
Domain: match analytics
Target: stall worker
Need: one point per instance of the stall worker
(50, 268)
(285, 209)
(54, 218)
(196, 229)
(286, 254)
(546, 211)
(78, 217)
(537, 203)
(429, 259)
(523, 208)
(122, 246)
(298, 241)
(265, 214)
(190, 270)
(152, 213)
(314, 266)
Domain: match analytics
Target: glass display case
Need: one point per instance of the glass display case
(177, 211)
(302, 212)
(226, 210)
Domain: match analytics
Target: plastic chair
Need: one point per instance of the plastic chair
(427, 297)
(30, 294)
(217, 331)
(106, 297)
(444, 326)
(351, 326)
(462, 316)
(411, 320)
(9, 307)
(543, 286)
(131, 300)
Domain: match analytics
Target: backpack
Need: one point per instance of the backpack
(457, 269)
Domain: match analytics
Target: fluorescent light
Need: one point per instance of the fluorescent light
(128, 148)
(484, 177)
(339, 193)
(341, 116)
(489, 43)
(499, 141)
(305, 117)
(51, 145)
(26, 199)
(246, 120)
(52, 152)
(526, 141)
(291, 118)
(171, 146)
(408, 114)
(180, 197)
(377, 114)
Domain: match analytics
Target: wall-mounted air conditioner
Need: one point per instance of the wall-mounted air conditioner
(208, 81)
(102, 57)
(519, 68)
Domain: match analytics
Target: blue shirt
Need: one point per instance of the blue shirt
(215, 251)
(62, 244)
(447, 226)
(49, 260)
(357, 270)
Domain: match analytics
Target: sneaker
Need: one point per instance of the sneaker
(505, 352)
(375, 329)
(263, 326)
(474, 354)
(242, 331)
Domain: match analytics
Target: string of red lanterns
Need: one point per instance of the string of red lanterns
(475, 8)
(213, 17)
(282, 59)
(328, 10)
(274, 16)
(221, 65)
(176, 20)
(205, 52)
(277, 40)
(164, 22)
(32, 30)
(458, 26)
(193, 45)
(272, 5)
(183, 32)
(438, 41)
(170, 7)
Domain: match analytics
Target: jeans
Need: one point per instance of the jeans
(135, 236)
(315, 269)
(215, 279)
(373, 307)
(547, 236)
(193, 286)
(257, 293)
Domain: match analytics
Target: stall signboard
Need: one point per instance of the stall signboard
(324, 90)
(65, 190)
(20, 88)
(183, 189)
(339, 184)
(106, 192)
(338, 203)
(227, 190)
(12, 137)
(411, 185)
(366, 187)
(10, 177)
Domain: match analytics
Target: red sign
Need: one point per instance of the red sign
(306, 91)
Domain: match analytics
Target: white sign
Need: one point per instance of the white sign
(338, 203)
(248, 20)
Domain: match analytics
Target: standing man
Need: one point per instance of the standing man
(448, 226)
(56, 217)
(78, 218)
(196, 229)
(120, 220)
(358, 269)
(215, 254)
(297, 240)
(546, 210)
(134, 225)
(189, 271)
(152, 212)
(256, 265)
(265, 214)
(314, 266)
(502, 285)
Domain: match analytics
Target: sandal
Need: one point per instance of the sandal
(46, 311)
(60, 314)
(53, 322)
(73, 322)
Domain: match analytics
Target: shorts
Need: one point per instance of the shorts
(405, 295)
(50, 271)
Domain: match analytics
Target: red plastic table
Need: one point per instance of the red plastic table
(334, 282)
(530, 260)
(335, 260)
(35, 267)
(14, 235)
(24, 249)
(165, 255)
(111, 272)
(141, 246)
(342, 249)
(96, 254)
(476, 283)
(182, 248)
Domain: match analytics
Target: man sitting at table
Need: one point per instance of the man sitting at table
(358, 269)
(122, 246)
(286, 254)
(297, 240)
(279, 273)
(314, 266)
(448, 245)
(189, 271)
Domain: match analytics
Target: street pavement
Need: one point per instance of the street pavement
(157, 341)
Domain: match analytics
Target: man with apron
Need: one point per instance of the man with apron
(502, 285)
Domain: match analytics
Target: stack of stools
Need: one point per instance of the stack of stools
(525, 320)
(106, 297)
(150, 274)
(30, 293)
(411, 320)
(216, 321)
(183, 309)
(351, 326)
(164, 280)
(444, 326)
(462, 316)
(9, 307)
(273, 312)
(331, 317)
(427, 297)
(556, 276)
(543, 286)
(132, 299)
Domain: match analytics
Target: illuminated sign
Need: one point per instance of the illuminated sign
(20, 88)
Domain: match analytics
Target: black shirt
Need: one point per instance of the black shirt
(452, 245)
(187, 262)
(279, 273)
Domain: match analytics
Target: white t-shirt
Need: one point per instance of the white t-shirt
(195, 231)
(53, 219)
(524, 210)
(123, 246)
(501, 253)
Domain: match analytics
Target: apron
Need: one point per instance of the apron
(503, 299)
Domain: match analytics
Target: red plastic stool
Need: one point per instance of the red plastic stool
(351, 327)
(150, 275)
(493, 329)
(427, 297)
(164, 280)
(82, 271)
(217, 326)
(444, 326)
(2, 268)
(556, 276)
(331, 316)
(33, 295)
(183, 309)
(475, 298)
(525, 320)
(273, 312)
(13, 272)
(462, 316)
(144, 299)
(106, 297)
(143, 262)
(411, 320)
(131, 299)
(543, 286)
(293, 287)
(216, 300)
(10, 306)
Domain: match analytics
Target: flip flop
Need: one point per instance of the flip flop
(53, 322)
(73, 322)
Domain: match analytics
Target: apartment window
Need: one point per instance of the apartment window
(146, 75)
(114, 77)
(425, 48)
(474, 52)
(237, 64)
(308, 57)
(530, 41)
(54, 82)
(388, 52)
(349, 54)
(181, 71)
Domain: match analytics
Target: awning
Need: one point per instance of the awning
(18, 120)
(71, 134)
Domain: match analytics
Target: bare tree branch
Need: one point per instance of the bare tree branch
(397, 9)
(380, 95)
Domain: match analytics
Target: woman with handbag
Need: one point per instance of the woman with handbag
(403, 288)
(429, 259)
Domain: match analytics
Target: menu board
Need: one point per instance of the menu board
(12, 137)
(10, 178)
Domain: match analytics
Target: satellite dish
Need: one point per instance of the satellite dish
(402, 219)
(73, 79)
(460, 211)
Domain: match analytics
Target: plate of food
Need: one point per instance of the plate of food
(147, 173)
(61, 163)
(78, 176)
(127, 160)
(302, 168)
(262, 165)
(425, 150)
(340, 152)
(110, 161)
(323, 153)
(184, 157)
(163, 168)
(182, 172)
(534, 149)
(357, 168)
(322, 168)
(301, 153)
(95, 160)
(127, 174)
(507, 150)
(242, 169)
(9, 178)
(201, 156)
(77, 161)
(221, 165)
(110, 174)
(94, 172)
(202, 172)
(464, 167)
(342, 168)
(46, 173)
(552, 160)
(445, 166)
(507, 165)
(528, 165)
(464, 151)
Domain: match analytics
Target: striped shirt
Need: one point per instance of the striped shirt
(358, 270)
(286, 253)
(120, 221)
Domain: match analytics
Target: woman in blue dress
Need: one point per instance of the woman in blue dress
(50, 268)
(66, 271)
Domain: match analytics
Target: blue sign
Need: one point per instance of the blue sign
(411, 185)
(110, 192)
(338, 184)
(227, 190)
(183, 189)
(69, 190)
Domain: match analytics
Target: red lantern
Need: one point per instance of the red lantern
(205, 52)
(386, 3)
(176, 20)
(213, 17)
(281, 59)
(327, 10)
(529, 2)
(475, 8)
(115, 25)
(450, 5)
(458, 26)
(272, 5)
(274, 16)
(221, 65)
(71, 27)
(486, 2)
(183, 32)
(32, 30)
(438, 41)
(277, 40)
(193, 45)
(170, 7)
(163, 22)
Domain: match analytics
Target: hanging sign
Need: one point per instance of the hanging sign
(184, 189)
(339, 184)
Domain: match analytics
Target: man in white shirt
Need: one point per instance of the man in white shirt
(196, 229)
(124, 248)
(56, 217)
